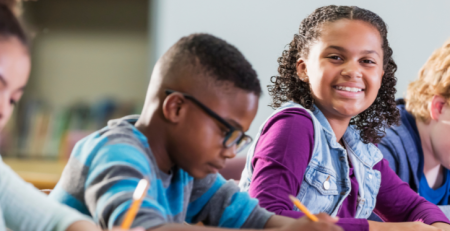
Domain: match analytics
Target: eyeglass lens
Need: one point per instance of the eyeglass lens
(236, 137)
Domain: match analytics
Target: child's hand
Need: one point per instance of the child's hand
(388, 226)
(325, 223)
(442, 226)
(133, 229)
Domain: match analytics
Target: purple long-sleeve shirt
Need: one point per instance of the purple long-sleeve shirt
(281, 156)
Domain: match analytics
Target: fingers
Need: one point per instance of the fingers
(133, 229)
(326, 226)
(327, 218)
(325, 223)
(138, 229)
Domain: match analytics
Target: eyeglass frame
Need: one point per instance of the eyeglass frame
(215, 116)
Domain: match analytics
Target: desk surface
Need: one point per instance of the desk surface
(43, 174)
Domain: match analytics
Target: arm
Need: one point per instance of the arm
(389, 226)
(396, 202)
(85, 225)
(281, 157)
(25, 208)
(445, 209)
(217, 202)
(110, 183)
(274, 223)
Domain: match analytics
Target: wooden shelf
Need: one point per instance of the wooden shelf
(43, 174)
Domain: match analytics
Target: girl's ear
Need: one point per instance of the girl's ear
(435, 106)
(301, 70)
(174, 107)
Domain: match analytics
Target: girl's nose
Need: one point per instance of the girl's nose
(352, 70)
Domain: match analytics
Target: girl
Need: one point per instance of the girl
(22, 207)
(334, 97)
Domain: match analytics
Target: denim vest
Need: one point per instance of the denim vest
(326, 181)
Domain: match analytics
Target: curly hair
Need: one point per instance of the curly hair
(287, 86)
(434, 79)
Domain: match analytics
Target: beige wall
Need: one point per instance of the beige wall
(71, 66)
(85, 50)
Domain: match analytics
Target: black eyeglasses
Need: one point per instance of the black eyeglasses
(233, 136)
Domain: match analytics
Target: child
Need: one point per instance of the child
(202, 96)
(418, 148)
(23, 207)
(335, 95)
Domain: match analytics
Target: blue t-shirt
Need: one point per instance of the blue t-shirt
(437, 196)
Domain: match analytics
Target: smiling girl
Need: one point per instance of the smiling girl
(334, 97)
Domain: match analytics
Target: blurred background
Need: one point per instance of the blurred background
(92, 60)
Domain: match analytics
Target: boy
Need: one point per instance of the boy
(418, 150)
(202, 95)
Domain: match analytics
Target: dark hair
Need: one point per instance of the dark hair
(222, 60)
(9, 24)
(287, 86)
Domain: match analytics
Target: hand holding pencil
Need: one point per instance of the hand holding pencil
(319, 222)
(303, 208)
(133, 229)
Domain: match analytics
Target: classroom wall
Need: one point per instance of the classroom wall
(87, 50)
(261, 30)
(116, 69)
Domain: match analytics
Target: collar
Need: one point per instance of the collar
(368, 154)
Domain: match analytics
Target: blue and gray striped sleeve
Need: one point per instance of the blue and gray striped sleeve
(220, 203)
(111, 180)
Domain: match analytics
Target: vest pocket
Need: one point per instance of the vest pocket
(324, 182)
(319, 190)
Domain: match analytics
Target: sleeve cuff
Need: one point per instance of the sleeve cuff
(353, 224)
(68, 218)
(430, 215)
(257, 219)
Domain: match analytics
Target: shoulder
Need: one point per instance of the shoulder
(287, 136)
(289, 118)
(123, 131)
(392, 142)
(119, 142)
(289, 127)
(293, 112)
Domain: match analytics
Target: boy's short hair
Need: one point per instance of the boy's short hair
(217, 57)
(434, 79)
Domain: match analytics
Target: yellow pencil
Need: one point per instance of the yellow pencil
(303, 208)
(139, 193)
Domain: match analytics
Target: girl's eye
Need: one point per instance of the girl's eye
(368, 61)
(12, 102)
(335, 57)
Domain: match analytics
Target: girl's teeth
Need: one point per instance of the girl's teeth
(351, 89)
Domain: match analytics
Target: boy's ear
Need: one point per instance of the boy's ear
(435, 106)
(173, 107)
(301, 70)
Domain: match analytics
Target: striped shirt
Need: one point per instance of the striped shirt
(105, 168)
